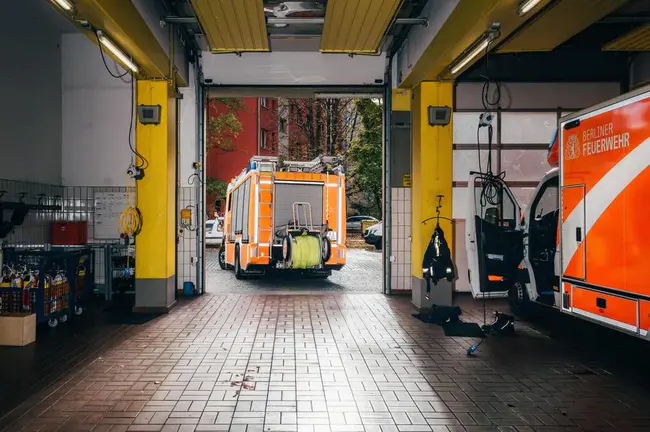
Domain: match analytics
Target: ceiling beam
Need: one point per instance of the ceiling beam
(122, 23)
(558, 23)
(466, 23)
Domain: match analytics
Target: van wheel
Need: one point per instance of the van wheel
(222, 258)
(239, 273)
(518, 299)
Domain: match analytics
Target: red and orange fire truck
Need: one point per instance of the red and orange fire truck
(288, 216)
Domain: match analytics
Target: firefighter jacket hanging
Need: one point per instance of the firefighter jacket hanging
(437, 263)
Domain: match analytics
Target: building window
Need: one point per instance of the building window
(283, 125)
(264, 137)
(263, 102)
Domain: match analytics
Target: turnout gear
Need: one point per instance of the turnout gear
(437, 263)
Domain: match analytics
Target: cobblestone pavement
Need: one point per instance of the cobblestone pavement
(333, 362)
(362, 273)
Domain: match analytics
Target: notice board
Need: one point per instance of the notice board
(108, 208)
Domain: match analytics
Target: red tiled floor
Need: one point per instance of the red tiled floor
(356, 362)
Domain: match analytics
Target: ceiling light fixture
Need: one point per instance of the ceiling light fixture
(106, 42)
(527, 6)
(482, 46)
(478, 47)
(64, 4)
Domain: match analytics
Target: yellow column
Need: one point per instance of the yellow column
(155, 289)
(431, 175)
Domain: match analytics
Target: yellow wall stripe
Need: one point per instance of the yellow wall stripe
(401, 100)
(431, 170)
(233, 25)
(156, 245)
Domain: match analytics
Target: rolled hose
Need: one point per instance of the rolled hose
(305, 252)
(129, 223)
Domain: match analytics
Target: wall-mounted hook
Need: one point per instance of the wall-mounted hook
(22, 197)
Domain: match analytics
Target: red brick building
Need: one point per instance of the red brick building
(299, 129)
(258, 136)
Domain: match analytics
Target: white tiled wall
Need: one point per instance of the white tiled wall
(400, 239)
(186, 247)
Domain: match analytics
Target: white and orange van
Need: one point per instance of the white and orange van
(288, 216)
(583, 242)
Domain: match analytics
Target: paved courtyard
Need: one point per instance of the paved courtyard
(362, 273)
(334, 362)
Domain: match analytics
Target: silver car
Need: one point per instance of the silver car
(353, 223)
(214, 232)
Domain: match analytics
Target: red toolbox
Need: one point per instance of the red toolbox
(69, 233)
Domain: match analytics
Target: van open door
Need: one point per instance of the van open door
(494, 239)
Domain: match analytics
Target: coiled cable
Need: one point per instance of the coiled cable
(130, 222)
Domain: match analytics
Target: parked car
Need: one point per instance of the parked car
(353, 223)
(214, 232)
(374, 235)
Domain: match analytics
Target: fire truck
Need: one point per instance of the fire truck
(581, 245)
(287, 216)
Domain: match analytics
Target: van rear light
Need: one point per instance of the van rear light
(341, 253)
(254, 252)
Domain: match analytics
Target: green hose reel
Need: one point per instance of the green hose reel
(305, 252)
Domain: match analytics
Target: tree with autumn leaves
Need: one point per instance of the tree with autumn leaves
(319, 126)
(342, 126)
(223, 122)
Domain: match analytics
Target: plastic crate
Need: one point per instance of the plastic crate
(69, 233)
(47, 283)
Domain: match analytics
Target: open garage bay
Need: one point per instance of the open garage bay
(361, 274)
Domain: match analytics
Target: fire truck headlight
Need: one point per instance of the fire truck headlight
(331, 236)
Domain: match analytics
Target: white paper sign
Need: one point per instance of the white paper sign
(108, 208)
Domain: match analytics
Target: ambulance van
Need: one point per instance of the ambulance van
(583, 242)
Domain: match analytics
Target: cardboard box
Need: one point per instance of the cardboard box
(17, 329)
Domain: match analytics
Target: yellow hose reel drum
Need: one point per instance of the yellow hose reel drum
(305, 251)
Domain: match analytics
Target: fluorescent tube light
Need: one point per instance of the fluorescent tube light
(116, 51)
(471, 55)
(64, 4)
(527, 6)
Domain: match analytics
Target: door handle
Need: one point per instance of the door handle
(578, 234)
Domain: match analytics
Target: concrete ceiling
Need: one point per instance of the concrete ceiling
(580, 58)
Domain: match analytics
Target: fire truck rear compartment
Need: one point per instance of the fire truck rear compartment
(286, 194)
